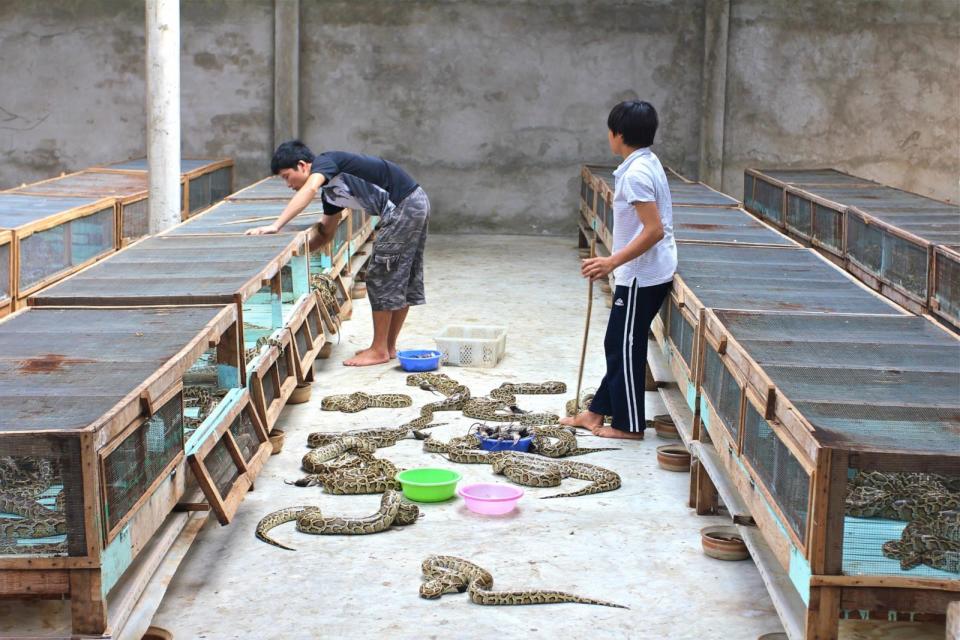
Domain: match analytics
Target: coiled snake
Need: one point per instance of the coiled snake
(393, 511)
(449, 574)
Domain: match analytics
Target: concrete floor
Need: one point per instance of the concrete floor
(637, 546)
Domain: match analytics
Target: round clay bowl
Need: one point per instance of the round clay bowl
(723, 542)
(778, 635)
(301, 394)
(276, 441)
(673, 457)
(157, 633)
(665, 428)
(359, 290)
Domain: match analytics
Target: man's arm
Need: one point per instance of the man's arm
(295, 207)
(596, 268)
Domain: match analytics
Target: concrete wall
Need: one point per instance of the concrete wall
(493, 104)
(72, 85)
(872, 88)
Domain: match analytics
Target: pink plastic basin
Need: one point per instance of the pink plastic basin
(490, 499)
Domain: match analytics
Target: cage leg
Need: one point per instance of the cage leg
(694, 467)
(87, 607)
(705, 492)
(823, 620)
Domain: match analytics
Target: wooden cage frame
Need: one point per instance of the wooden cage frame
(266, 364)
(936, 306)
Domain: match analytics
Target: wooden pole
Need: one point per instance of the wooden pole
(586, 328)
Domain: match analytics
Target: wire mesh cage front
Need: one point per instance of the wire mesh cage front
(245, 435)
(357, 219)
(749, 182)
(5, 283)
(340, 237)
(132, 467)
(799, 216)
(721, 389)
(827, 231)
(134, 220)
(681, 334)
(946, 284)
(222, 467)
(57, 250)
(782, 475)
(768, 201)
(903, 523)
(41, 497)
(221, 184)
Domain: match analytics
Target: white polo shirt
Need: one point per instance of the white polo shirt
(640, 178)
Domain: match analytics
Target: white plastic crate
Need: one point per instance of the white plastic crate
(468, 345)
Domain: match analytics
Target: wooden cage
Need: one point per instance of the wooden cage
(128, 190)
(764, 190)
(54, 236)
(264, 277)
(804, 409)
(7, 271)
(204, 181)
(97, 439)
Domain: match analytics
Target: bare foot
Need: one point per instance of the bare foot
(393, 352)
(367, 357)
(610, 432)
(585, 420)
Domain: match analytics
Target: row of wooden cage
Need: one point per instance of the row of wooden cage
(139, 392)
(820, 414)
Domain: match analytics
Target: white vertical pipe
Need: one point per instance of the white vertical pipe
(163, 112)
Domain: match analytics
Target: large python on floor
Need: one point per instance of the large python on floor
(501, 406)
(393, 512)
(449, 574)
(528, 469)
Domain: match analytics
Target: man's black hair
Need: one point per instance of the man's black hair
(636, 120)
(289, 154)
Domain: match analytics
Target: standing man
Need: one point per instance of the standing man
(350, 180)
(644, 260)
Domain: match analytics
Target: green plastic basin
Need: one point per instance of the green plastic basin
(428, 485)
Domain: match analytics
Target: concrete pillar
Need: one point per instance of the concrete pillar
(714, 91)
(286, 70)
(163, 113)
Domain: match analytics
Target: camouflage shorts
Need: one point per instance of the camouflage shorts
(395, 273)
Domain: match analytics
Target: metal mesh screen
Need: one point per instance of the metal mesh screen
(303, 340)
(131, 468)
(245, 435)
(828, 227)
(768, 201)
(720, 388)
(339, 237)
(199, 192)
(92, 236)
(356, 221)
(203, 389)
(905, 263)
(269, 387)
(864, 244)
(799, 215)
(664, 312)
(313, 321)
(902, 524)
(591, 196)
(748, 185)
(681, 333)
(282, 366)
(221, 184)
(135, 220)
(4, 271)
(584, 189)
(780, 472)
(221, 467)
(946, 288)
(41, 497)
(43, 255)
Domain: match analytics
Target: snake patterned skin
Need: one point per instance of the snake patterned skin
(501, 406)
(358, 401)
(449, 574)
(393, 512)
(872, 494)
(528, 469)
(931, 538)
(23, 480)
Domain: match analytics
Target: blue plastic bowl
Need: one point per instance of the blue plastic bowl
(415, 360)
(492, 444)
